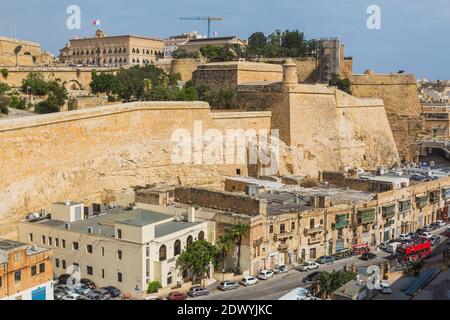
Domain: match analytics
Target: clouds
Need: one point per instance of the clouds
(410, 39)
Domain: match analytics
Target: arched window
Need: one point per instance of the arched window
(148, 52)
(134, 51)
(162, 253)
(110, 51)
(169, 278)
(92, 52)
(125, 60)
(201, 236)
(189, 241)
(104, 51)
(151, 52)
(115, 50)
(120, 50)
(120, 60)
(115, 60)
(138, 61)
(177, 248)
(82, 52)
(98, 50)
(110, 60)
(104, 60)
(124, 50)
(134, 60)
(137, 51)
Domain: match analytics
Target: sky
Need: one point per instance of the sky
(414, 34)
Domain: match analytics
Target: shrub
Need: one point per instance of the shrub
(4, 73)
(3, 88)
(18, 103)
(4, 102)
(153, 287)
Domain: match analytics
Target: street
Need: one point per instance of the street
(281, 284)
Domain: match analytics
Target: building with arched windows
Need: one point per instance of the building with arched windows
(15, 52)
(124, 248)
(113, 51)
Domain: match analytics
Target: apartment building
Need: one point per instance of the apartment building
(25, 271)
(126, 248)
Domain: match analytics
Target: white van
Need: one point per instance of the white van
(392, 247)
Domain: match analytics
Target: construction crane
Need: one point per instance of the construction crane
(209, 19)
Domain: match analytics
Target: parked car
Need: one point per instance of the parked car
(435, 240)
(426, 235)
(405, 236)
(368, 256)
(434, 226)
(102, 292)
(280, 269)
(392, 247)
(197, 292)
(228, 285)
(89, 283)
(59, 294)
(81, 289)
(309, 265)
(385, 288)
(326, 260)
(248, 281)
(62, 279)
(441, 223)
(94, 296)
(72, 296)
(64, 288)
(265, 274)
(311, 277)
(343, 254)
(113, 291)
(176, 296)
(384, 245)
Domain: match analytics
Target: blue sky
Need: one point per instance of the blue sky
(414, 35)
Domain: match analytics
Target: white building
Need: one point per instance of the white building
(124, 248)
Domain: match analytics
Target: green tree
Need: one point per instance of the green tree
(341, 84)
(225, 245)
(293, 43)
(3, 88)
(4, 73)
(330, 282)
(238, 233)
(103, 82)
(35, 84)
(417, 266)
(4, 103)
(17, 103)
(183, 54)
(51, 105)
(257, 43)
(153, 287)
(197, 258)
(210, 52)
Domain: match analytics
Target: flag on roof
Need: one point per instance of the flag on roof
(96, 22)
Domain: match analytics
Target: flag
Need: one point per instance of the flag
(96, 22)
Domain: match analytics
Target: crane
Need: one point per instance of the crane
(209, 19)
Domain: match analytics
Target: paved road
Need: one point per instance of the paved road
(279, 285)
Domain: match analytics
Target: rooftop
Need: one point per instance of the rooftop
(7, 245)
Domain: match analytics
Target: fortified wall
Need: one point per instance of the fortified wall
(401, 101)
(76, 155)
(185, 67)
(323, 128)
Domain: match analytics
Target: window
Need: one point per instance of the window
(50, 241)
(63, 243)
(312, 223)
(271, 229)
(103, 273)
(169, 278)
(162, 253)
(189, 241)
(42, 268)
(147, 251)
(282, 228)
(103, 251)
(0, 282)
(75, 246)
(119, 277)
(17, 257)
(56, 242)
(43, 240)
(63, 262)
(30, 237)
(33, 271)
(201, 236)
(89, 248)
(89, 270)
(238, 172)
(57, 263)
(177, 248)
(293, 225)
(119, 233)
(119, 254)
(17, 276)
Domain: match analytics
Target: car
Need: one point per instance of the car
(434, 226)
(368, 256)
(113, 291)
(435, 240)
(405, 236)
(343, 254)
(64, 288)
(89, 283)
(176, 296)
(81, 289)
(248, 281)
(326, 260)
(385, 288)
(426, 235)
(309, 265)
(227, 285)
(265, 274)
(441, 223)
(64, 278)
(72, 296)
(197, 292)
(94, 296)
(59, 294)
(280, 269)
(102, 292)
(311, 277)
(392, 247)
(384, 245)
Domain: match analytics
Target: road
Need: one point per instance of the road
(281, 284)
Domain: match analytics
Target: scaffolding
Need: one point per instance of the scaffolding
(328, 58)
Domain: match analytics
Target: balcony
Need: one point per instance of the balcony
(340, 224)
(446, 193)
(283, 236)
(434, 196)
(388, 211)
(404, 206)
(315, 240)
(366, 216)
(421, 202)
(283, 247)
(315, 230)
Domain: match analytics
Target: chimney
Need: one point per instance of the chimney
(191, 214)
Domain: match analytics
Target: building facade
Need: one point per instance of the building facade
(25, 272)
(124, 248)
(15, 52)
(112, 51)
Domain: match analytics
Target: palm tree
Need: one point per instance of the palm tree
(225, 245)
(238, 232)
(417, 266)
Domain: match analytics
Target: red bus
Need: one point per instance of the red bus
(410, 252)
